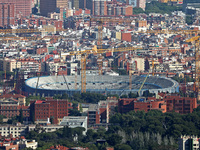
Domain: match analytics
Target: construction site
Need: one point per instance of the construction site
(104, 84)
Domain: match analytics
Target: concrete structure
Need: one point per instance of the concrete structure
(7, 14)
(188, 143)
(105, 84)
(93, 115)
(75, 121)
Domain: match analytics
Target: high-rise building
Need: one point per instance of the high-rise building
(141, 4)
(83, 4)
(137, 3)
(7, 14)
(75, 4)
(132, 2)
(21, 7)
(48, 6)
(62, 3)
(100, 7)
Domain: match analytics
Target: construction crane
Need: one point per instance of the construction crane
(143, 83)
(100, 22)
(152, 66)
(195, 40)
(94, 50)
(186, 32)
(6, 31)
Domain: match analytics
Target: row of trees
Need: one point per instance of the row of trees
(156, 7)
(134, 130)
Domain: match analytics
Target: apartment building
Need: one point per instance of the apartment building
(145, 104)
(10, 108)
(50, 108)
(20, 98)
(49, 6)
(7, 14)
(188, 143)
(9, 64)
(21, 7)
(182, 105)
(29, 65)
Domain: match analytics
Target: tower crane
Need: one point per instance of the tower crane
(6, 31)
(94, 50)
(100, 22)
(195, 40)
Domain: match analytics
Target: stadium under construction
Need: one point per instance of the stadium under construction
(104, 84)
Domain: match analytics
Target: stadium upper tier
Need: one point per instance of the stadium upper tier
(51, 85)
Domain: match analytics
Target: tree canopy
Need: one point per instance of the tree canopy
(156, 7)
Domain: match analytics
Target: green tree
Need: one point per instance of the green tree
(122, 147)
(132, 95)
(114, 139)
(137, 10)
(189, 20)
(74, 112)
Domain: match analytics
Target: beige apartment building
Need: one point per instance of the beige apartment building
(139, 63)
(9, 65)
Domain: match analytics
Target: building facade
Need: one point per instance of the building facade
(21, 7)
(99, 7)
(51, 109)
(47, 6)
(141, 4)
(188, 143)
(132, 2)
(7, 14)
(182, 105)
(75, 121)
(11, 108)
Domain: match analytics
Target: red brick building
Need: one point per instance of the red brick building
(180, 105)
(126, 37)
(7, 14)
(11, 108)
(128, 104)
(21, 7)
(177, 104)
(51, 108)
(150, 105)
(125, 105)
